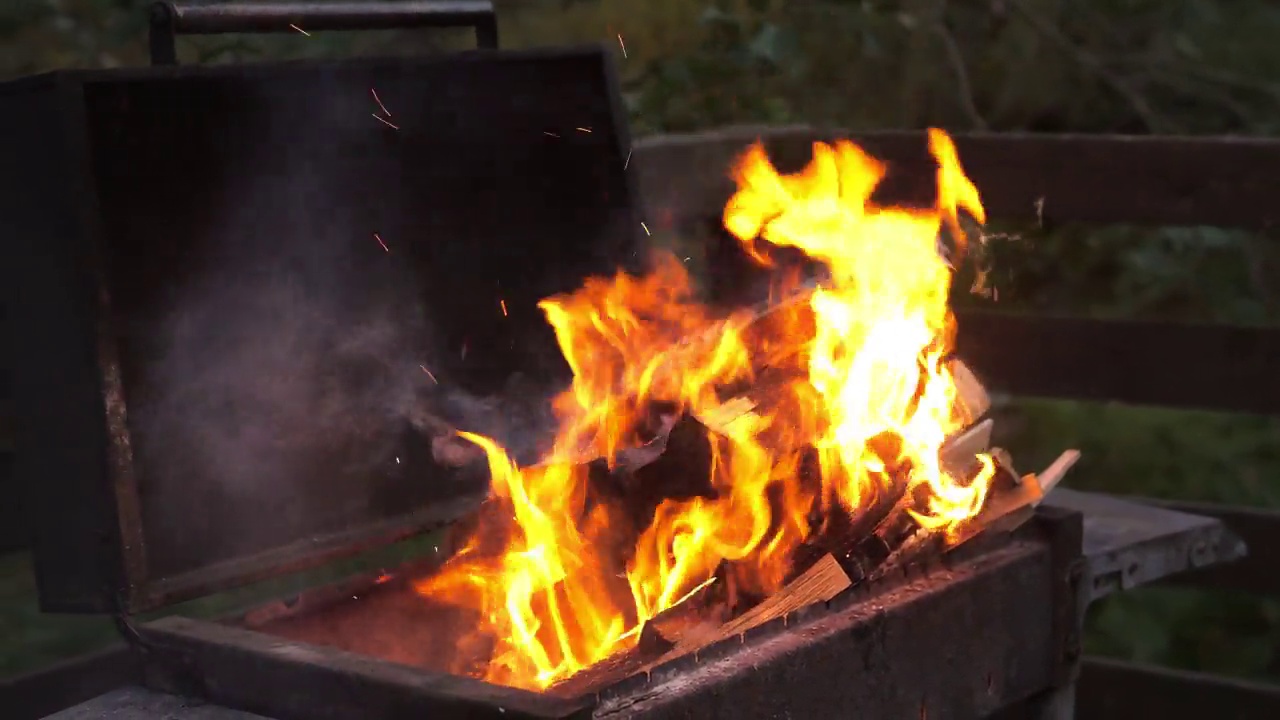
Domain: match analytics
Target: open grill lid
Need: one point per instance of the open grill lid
(215, 357)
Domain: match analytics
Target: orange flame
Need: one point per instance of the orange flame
(863, 359)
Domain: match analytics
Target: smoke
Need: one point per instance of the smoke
(283, 395)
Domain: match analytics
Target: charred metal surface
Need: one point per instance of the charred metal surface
(957, 642)
(185, 18)
(302, 555)
(1128, 543)
(316, 600)
(60, 445)
(1064, 532)
(258, 673)
(994, 626)
(282, 186)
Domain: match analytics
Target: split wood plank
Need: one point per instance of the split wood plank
(970, 392)
(959, 453)
(1009, 509)
(820, 583)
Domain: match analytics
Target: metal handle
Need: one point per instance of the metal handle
(170, 19)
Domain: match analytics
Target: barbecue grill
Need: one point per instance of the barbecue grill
(230, 277)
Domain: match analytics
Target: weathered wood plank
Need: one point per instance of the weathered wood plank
(1260, 530)
(1225, 181)
(1116, 690)
(1213, 367)
(136, 703)
(48, 690)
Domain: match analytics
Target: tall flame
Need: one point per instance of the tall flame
(862, 359)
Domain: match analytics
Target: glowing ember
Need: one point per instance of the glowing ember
(378, 100)
(561, 580)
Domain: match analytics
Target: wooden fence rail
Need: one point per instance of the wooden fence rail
(1258, 572)
(1115, 690)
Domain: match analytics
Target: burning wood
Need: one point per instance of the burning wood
(821, 582)
(710, 473)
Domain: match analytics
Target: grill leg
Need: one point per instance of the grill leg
(1056, 704)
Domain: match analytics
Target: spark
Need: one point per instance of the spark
(583, 129)
(503, 304)
(295, 27)
(646, 229)
(428, 372)
(385, 121)
(550, 134)
(623, 46)
(626, 162)
(378, 100)
(378, 237)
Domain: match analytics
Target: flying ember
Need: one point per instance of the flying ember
(820, 412)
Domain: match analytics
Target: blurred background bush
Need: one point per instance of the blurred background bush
(1088, 66)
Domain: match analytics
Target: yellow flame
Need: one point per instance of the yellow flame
(863, 357)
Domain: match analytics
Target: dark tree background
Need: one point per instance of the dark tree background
(1095, 66)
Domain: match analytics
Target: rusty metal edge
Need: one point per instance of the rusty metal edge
(254, 672)
(301, 555)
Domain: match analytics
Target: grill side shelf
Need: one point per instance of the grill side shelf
(1128, 543)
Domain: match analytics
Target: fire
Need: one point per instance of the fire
(861, 401)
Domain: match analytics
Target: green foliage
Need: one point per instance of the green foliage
(1134, 66)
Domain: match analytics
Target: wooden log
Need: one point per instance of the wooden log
(861, 542)
(693, 619)
(698, 615)
(614, 668)
(820, 583)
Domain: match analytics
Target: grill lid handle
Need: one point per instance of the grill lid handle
(170, 19)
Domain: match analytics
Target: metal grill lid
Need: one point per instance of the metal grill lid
(237, 279)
